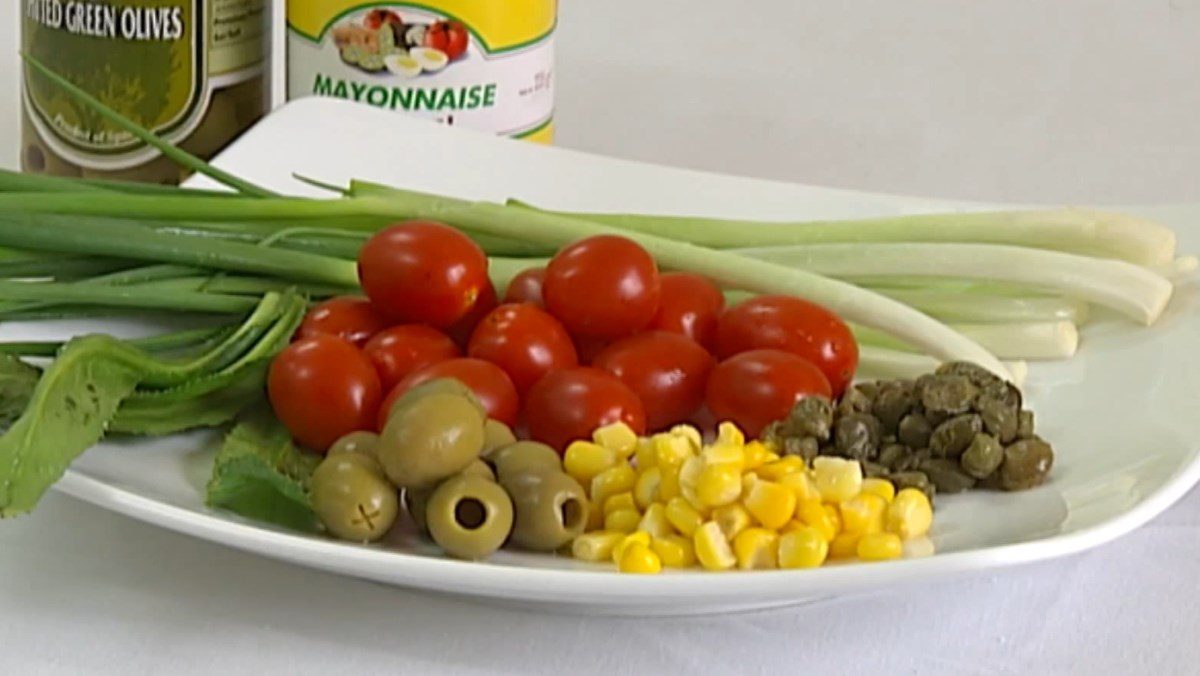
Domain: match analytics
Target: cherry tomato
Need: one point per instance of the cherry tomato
(400, 350)
(323, 388)
(690, 305)
(463, 328)
(602, 287)
(490, 384)
(758, 387)
(447, 36)
(352, 319)
(570, 404)
(793, 325)
(525, 341)
(421, 272)
(589, 348)
(526, 287)
(666, 371)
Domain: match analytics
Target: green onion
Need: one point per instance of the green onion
(1016, 340)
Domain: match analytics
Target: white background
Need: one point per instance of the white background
(1071, 101)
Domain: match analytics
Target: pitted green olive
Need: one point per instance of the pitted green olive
(429, 439)
(352, 500)
(523, 457)
(357, 443)
(437, 386)
(496, 435)
(469, 516)
(551, 509)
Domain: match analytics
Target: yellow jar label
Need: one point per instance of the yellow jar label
(483, 64)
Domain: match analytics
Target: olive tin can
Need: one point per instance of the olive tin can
(193, 71)
(481, 64)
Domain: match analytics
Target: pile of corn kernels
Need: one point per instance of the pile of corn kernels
(669, 500)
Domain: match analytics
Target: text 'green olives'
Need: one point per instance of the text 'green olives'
(429, 439)
(551, 509)
(469, 516)
(352, 499)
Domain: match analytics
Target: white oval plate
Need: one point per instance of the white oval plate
(1121, 414)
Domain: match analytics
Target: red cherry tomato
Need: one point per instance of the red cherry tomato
(490, 384)
(526, 287)
(794, 325)
(400, 350)
(463, 328)
(352, 319)
(602, 287)
(589, 348)
(666, 371)
(447, 36)
(525, 341)
(758, 387)
(323, 388)
(570, 404)
(421, 272)
(690, 305)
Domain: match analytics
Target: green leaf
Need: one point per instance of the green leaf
(260, 474)
(204, 402)
(17, 382)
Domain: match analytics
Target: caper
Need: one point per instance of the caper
(804, 447)
(1025, 425)
(873, 469)
(469, 516)
(856, 436)
(551, 509)
(979, 376)
(438, 386)
(946, 475)
(524, 457)
(867, 389)
(351, 499)
(430, 438)
(892, 404)
(952, 437)
(1026, 464)
(913, 460)
(914, 431)
(854, 400)
(949, 394)
(810, 417)
(983, 456)
(496, 435)
(999, 418)
(892, 456)
(913, 479)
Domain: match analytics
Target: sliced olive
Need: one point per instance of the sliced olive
(983, 456)
(496, 435)
(430, 438)
(551, 509)
(469, 516)
(524, 457)
(1026, 464)
(351, 499)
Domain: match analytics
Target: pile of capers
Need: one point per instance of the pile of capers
(466, 480)
(957, 428)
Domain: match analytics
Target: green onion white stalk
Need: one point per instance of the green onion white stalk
(1015, 340)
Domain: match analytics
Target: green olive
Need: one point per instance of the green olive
(437, 386)
(469, 516)
(551, 508)
(352, 500)
(496, 435)
(415, 500)
(362, 443)
(524, 457)
(479, 468)
(429, 439)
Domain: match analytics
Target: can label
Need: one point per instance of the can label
(485, 65)
(155, 61)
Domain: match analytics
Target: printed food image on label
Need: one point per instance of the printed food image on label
(484, 65)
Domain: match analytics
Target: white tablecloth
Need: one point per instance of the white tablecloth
(1075, 101)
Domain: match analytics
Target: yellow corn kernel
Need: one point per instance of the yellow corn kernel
(772, 447)
(683, 516)
(732, 519)
(638, 558)
(844, 546)
(756, 455)
(584, 460)
(863, 513)
(794, 524)
(622, 520)
(616, 479)
(644, 454)
(910, 515)
(633, 538)
(803, 547)
(689, 471)
(837, 479)
(690, 433)
(725, 454)
(671, 451)
(668, 487)
(619, 501)
(728, 433)
(617, 437)
(748, 479)
(675, 551)
(835, 516)
(756, 549)
(595, 517)
(774, 471)
(596, 546)
(645, 490)
(802, 485)
(881, 487)
(918, 548)
(655, 522)
(812, 513)
(880, 547)
(770, 504)
(719, 485)
(712, 549)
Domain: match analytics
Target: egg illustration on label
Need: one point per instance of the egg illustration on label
(402, 65)
(431, 60)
